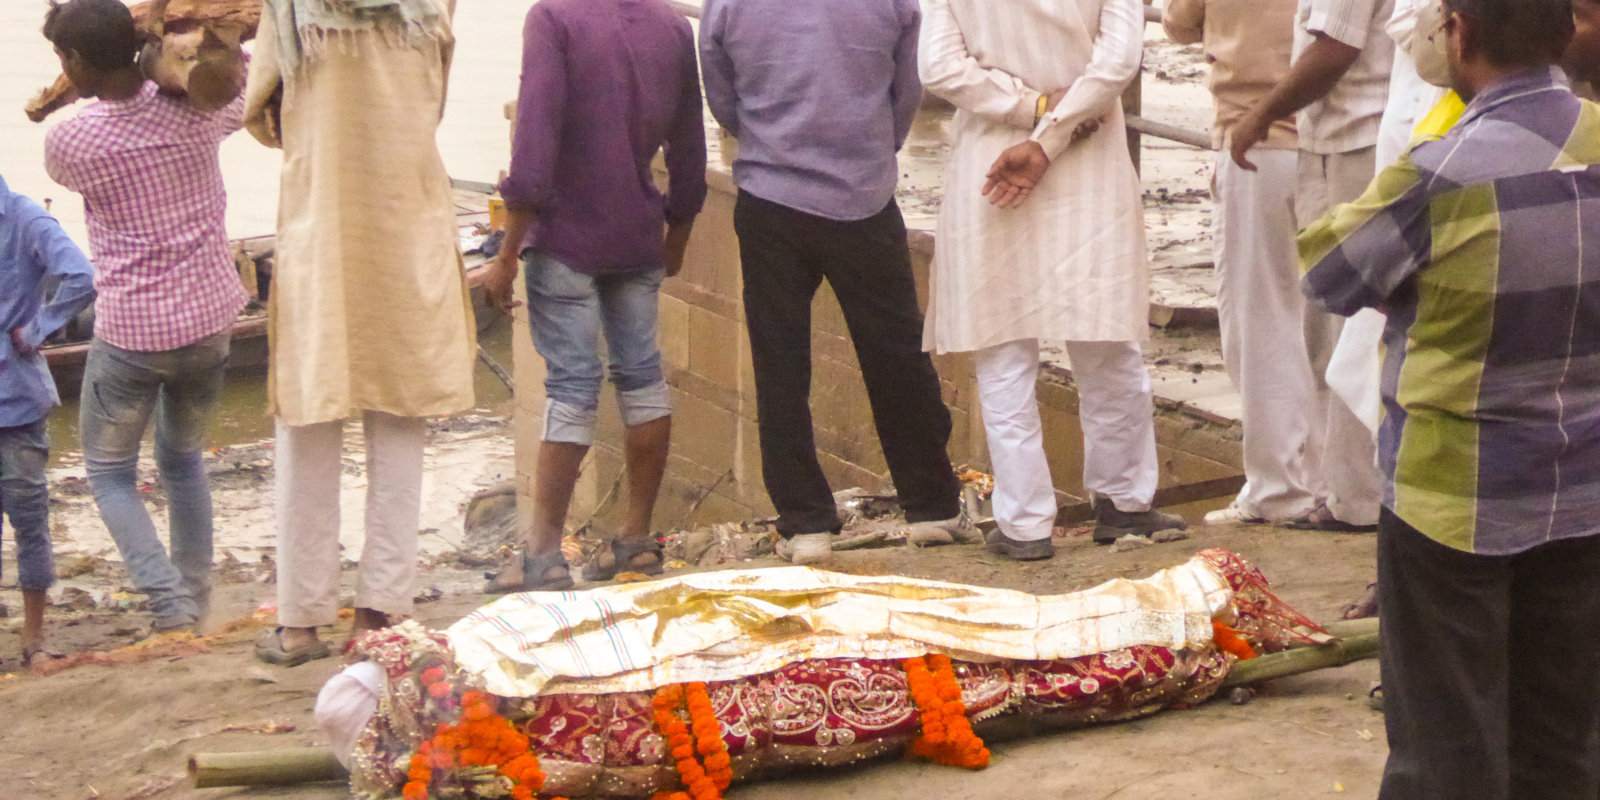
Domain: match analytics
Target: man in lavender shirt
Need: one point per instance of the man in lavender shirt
(605, 85)
(821, 96)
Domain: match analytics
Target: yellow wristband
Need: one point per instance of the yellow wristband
(1040, 109)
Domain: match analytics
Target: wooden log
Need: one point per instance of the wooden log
(265, 768)
(204, 64)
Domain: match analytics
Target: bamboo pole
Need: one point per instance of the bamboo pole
(265, 768)
(1303, 660)
(1345, 629)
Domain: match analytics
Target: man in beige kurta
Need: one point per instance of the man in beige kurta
(370, 313)
(1068, 263)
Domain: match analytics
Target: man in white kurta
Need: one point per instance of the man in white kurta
(1067, 265)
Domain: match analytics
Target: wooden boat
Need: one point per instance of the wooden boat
(67, 359)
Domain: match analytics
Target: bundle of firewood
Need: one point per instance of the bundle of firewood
(192, 50)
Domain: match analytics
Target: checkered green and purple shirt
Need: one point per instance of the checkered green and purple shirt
(1484, 249)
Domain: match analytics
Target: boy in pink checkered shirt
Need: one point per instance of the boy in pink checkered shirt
(148, 168)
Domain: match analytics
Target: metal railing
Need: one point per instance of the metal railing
(1138, 125)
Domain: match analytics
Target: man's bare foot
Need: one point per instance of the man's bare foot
(1366, 607)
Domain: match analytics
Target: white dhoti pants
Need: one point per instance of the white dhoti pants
(1343, 458)
(1262, 314)
(1116, 409)
(309, 464)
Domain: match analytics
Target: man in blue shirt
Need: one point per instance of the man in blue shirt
(32, 248)
(821, 96)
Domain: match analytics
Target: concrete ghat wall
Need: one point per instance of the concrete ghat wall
(715, 470)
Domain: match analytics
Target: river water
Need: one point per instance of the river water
(473, 138)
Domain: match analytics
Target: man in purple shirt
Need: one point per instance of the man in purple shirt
(821, 96)
(605, 85)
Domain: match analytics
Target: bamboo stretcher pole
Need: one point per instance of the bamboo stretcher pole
(265, 768)
(1303, 660)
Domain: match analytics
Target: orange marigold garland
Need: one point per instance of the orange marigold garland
(682, 746)
(947, 736)
(1231, 641)
(713, 749)
(483, 740)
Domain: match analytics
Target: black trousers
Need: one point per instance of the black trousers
(1491, 670)
(786, 256)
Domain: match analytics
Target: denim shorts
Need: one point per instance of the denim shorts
(569, 311)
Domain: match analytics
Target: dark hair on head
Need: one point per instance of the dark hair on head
(101, 32)
(1519, 33)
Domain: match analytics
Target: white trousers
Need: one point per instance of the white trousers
(1262, 314)
(1343, 459)
(1117, 412)
(309, 464)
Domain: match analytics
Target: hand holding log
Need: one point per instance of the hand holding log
(195, 52)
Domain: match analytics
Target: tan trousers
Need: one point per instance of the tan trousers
(309, 465)
(1262, 315)
(1342, 456)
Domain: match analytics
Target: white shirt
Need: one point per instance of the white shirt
(1347, 119)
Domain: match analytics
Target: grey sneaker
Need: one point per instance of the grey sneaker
(1001, 544)
(949, 531)
(806, 548)
(1112, 524)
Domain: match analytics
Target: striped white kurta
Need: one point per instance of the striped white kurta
(1069, 265)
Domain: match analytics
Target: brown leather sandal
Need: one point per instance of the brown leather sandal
(534, 570)
(624, 550)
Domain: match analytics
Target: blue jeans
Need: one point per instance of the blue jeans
(25, 499)
(121, 390)
(569, 309)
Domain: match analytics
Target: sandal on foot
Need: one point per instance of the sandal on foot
(534, 572)
(270, 650)
(624, 550)
(40, 652)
